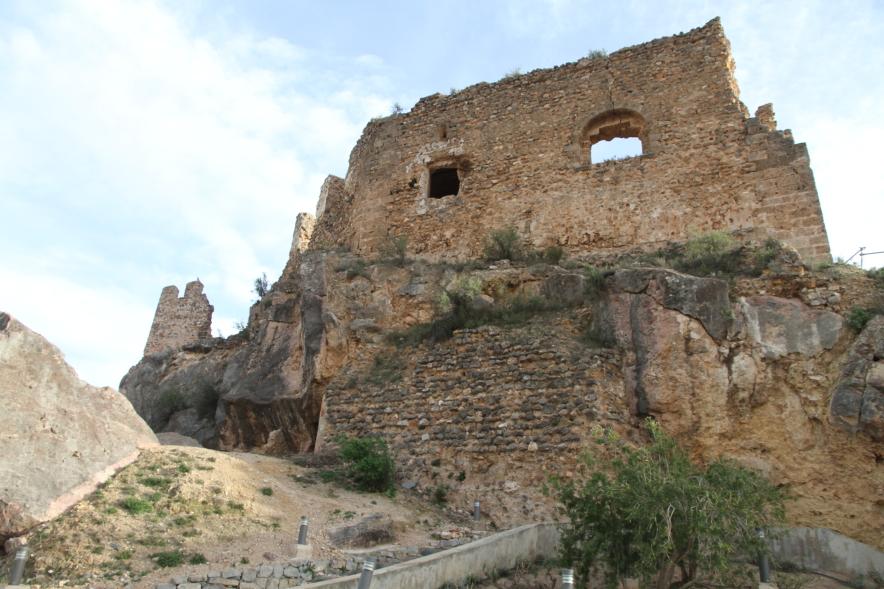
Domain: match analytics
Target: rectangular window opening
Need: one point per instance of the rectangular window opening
(444, 182)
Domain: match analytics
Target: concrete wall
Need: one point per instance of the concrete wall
(821, 549)
(501, 551)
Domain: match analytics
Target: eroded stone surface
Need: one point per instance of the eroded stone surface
(858, 396)
(787, 326)
(60, 436)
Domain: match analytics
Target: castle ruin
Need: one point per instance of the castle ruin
(516, 153)
(180, 321)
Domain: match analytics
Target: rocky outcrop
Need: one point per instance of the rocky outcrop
(373, 529)
(743, 369)
(233, 393)
(858, 396)
(60, 436)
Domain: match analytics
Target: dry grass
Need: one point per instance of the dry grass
(199, 503)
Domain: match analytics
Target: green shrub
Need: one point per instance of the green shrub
(597, 54)
(877, 274)
(367, 462)
(262, 285)
(135, 506)
(170, 558)
(197, 558)
(123, 555)
(649, 512)
(554, 255)
(267, 491)
(512, 74)
(504, 244)
(440, 495)
(767, 253)
(711, 254)
(858, 317)
(353, 268)
(593, 283)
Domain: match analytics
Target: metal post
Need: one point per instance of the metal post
(367, 572)
(18, 566)
(302, 531)
(567, 578)
(763, 563)
(477, 510)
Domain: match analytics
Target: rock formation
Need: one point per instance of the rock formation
(60, 436)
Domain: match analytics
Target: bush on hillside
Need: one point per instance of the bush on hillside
(650, 512)
(368, 463)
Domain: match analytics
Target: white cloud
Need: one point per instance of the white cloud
(157, 152)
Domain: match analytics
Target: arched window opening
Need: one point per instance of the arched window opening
(444, 182)
(616, 134)
(617, 148)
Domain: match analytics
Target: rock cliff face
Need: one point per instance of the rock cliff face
(758, 369)
(60, 436)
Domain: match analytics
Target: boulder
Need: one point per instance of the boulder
(857, 401)
(373, 529)
(60, 436)
(703, 299)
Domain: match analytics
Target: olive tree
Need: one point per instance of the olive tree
(650, 512)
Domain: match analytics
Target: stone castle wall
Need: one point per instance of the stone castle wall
(521, 146)
(180, 321)
(489, 413)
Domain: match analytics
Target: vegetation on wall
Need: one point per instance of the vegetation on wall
(368, 464)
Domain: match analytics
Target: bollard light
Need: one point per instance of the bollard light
(567, 578)
(367, 572)
(302, 530)
(763, 562)
(18, 565)
(477, 510)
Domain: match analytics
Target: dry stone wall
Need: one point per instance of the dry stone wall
(521, 147)
(180, 321)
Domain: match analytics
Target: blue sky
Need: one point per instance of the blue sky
(145, 143)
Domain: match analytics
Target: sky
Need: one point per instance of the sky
(145, 143)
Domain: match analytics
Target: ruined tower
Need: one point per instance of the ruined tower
(180, 321)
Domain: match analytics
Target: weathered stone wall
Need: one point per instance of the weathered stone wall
(521, 150)
(485, 393)
(180, 321)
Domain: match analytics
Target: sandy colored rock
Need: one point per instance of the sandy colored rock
(61, 437)
(176, 439)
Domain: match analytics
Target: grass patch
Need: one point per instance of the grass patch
(169, 558)
(197, 558)
(123, 555)
(136, 506)
(155, 482)
(356, 267)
